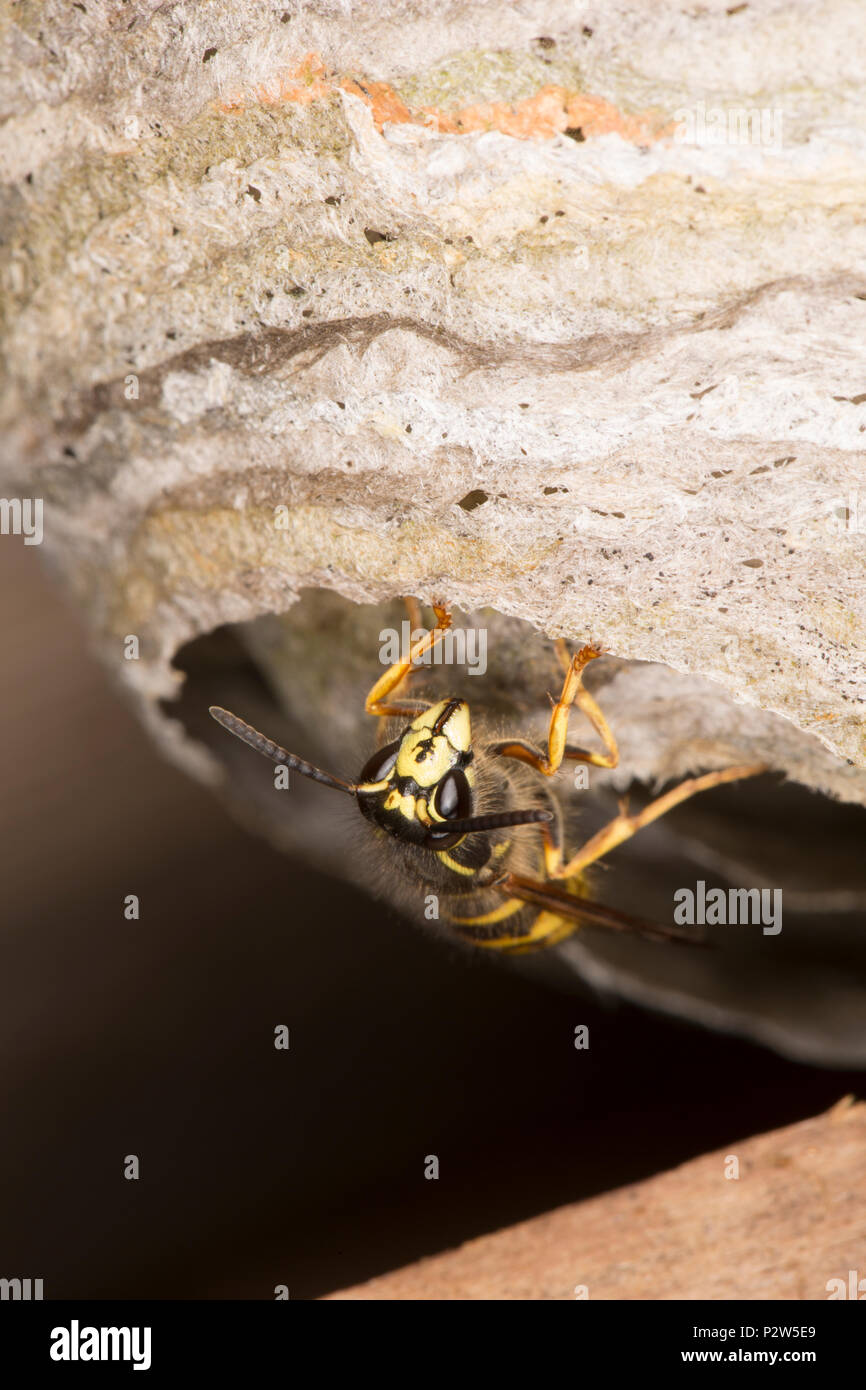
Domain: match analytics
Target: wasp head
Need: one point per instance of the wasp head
(414, 786)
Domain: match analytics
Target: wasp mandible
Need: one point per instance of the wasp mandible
(448, 808)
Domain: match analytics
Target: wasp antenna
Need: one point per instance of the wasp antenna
(266, 746)
(495, 822)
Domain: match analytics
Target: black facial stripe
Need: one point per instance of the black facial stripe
(407, 786)
(446, 714)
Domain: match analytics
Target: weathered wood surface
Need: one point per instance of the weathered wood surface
(794, 1220)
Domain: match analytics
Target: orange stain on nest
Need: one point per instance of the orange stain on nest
(309, 81)
(552, 110)
(382, 100)
(549, 112)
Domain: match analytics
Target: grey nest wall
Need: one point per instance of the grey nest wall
(556, 312)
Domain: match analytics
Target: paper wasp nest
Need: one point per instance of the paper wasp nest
(555, 311)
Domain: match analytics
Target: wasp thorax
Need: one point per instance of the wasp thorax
(420, 782)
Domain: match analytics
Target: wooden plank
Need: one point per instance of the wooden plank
(791, 1222)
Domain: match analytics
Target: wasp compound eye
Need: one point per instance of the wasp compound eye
(453, 799)
(376, 769)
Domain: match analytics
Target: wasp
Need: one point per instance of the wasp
(475, 821)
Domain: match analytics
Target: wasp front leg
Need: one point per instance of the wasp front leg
(377, 701)
(573, 693)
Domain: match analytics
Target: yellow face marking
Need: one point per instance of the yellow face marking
(456, 727)
(404, 804)
(424, 758)
(433, 741)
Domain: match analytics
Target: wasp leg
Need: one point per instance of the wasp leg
(565, 909)
(623, 826)
(416, 624)
(377, 699)
(416, 621)
(566, 902)
(377, 702)
(573, 693)
(413, 608)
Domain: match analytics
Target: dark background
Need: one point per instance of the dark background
(155, 1037)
